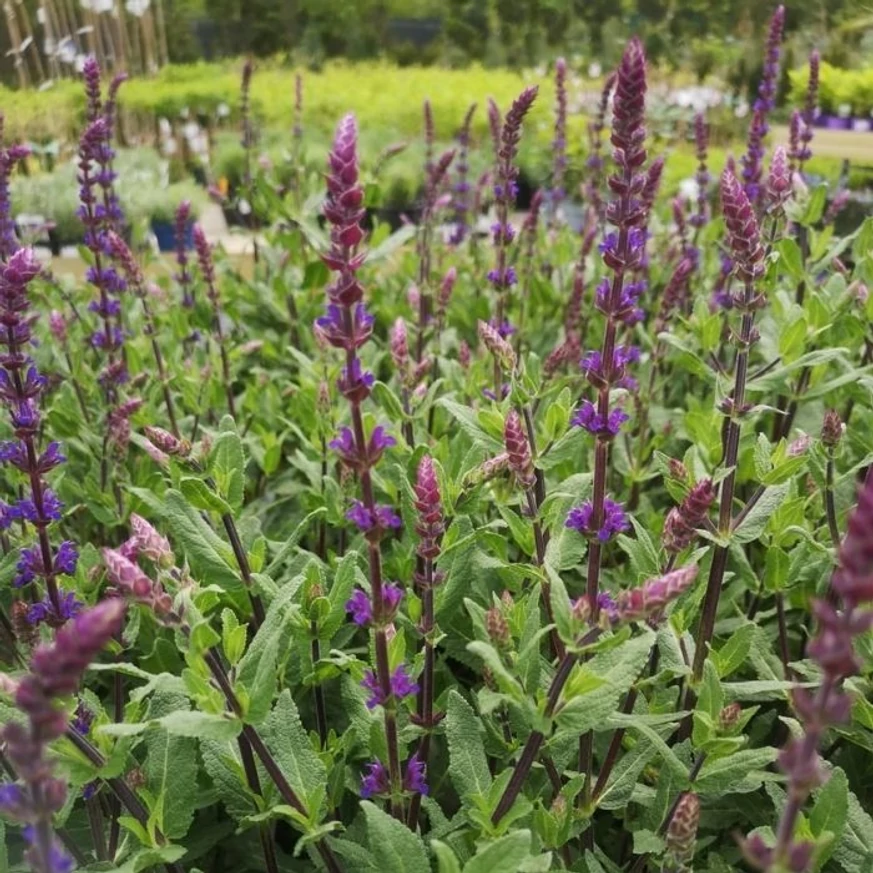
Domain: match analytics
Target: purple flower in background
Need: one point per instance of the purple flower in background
(375, 520)
(9, 157)
(461, 188)
(752, 161)
(375, 781)
(559, 142)
(180, 236)
(503, 276)
(56, 671)
(702, 177)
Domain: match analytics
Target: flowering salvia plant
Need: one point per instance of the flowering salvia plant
(442, 549)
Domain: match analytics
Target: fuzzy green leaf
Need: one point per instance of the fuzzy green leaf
(502, 856)
(289, 743)
(395, 848)
(469, 764)
(170, 769)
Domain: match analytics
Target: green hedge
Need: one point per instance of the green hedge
(837, 88)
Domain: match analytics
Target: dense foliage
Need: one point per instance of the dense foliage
(438, 549)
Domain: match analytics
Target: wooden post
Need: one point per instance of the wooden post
(28, 31)
(120, 29)
(15, 40)
(164, 56)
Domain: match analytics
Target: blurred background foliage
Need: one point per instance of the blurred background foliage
(697, 35)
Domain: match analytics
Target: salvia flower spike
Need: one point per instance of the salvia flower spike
(623, 252)
(503, 276)
(833, 650)
(344, 213)
(55, 673)
(21, 388)
(752, 161)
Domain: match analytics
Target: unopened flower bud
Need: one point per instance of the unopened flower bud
(464, 354)
(167, 443)
(799, 446)
(518, 450)
(832, 428)
(502, 351)
(730, 716)
(150, 543)
(400, 348)
(497, 627)
(58, 326)
(682, 831)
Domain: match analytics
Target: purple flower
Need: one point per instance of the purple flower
(375, 781)
(402, 685)
(378, 518)
(606, 426)
(51, 508)
(414, 778)
(341, 335)
(614, 520)
(45, 611)
(355, 382)
(344, 442)
(66, 558)
(28, 566)
(360, 607)
(82, 719)
(503, 278)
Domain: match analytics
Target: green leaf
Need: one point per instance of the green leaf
(395, 848)
(468, 420)
(560, 601)
(224, 767)
(257, 671)
(468, 763)
(734, 653)
(501, 856)
(201, 496)
(831, 810)
(791, 257)
(291, 543)
(752, 526)
(340, 591)
(815, 205)
(391, 245)
(613, 672)
(209, 556)
(227, 463)
(854, 850)
(727, 774)
(184, 723)
(447, 861)
(146, 858)
(170, 769)
(288, 741)
(644, 556)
